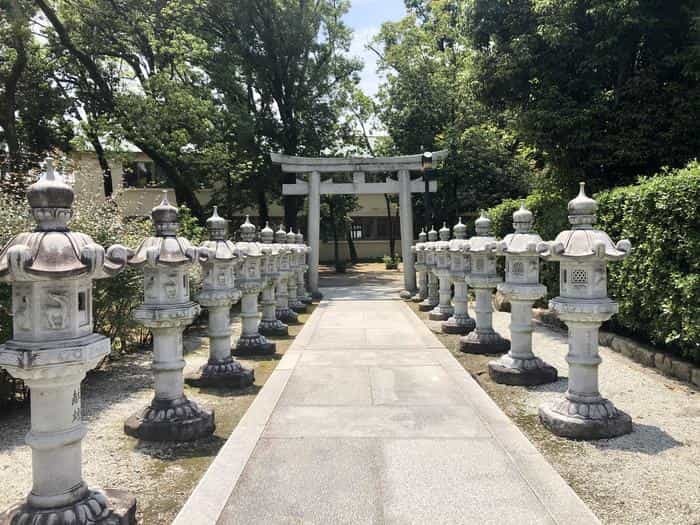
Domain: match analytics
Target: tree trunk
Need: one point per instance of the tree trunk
(102, 159)
(8, 118)
(263, 210)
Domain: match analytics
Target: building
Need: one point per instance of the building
(138, 184)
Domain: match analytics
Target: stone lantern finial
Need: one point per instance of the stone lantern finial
(165, 218)
(281, 235)
(522, 219)
(422, 236)
(483, 224)
(291, 236)
(51, 200)
(432, 234)
(217, 226)
(444, 232)
(266, 234)
(247, 230)
(299, 237)
(460, 230)
(582, 210)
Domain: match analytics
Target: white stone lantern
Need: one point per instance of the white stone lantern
(302, 294)
(250, 282)
(583, 304)
(483, 278)
(219, 258)
(441, 269)
(295, 265)
(522, 288)
(433, 298)
(459, 322)
(269, 324)
(283, 312)
(419, 251)
(167, 309)
(51, 271)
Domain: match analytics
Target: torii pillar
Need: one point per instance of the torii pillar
(357, 166)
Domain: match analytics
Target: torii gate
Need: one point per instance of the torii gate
(358, 166)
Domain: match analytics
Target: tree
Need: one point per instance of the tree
(136, 68)
(335, 220)
(31, 107)
(290, 57)
(604, 90)
(425, 106)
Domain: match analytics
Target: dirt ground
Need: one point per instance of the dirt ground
(161, 475)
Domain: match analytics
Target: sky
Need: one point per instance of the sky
(365, 17)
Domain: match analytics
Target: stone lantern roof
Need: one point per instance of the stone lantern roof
(165, 248)
(483, 225)
(218, 247)
(422, 236)
(299, 237)
(583, 241)
(444, 232)
(52, 250)
(247, 245)
(291, 237)
(247, 230)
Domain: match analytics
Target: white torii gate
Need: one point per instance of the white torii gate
(358, 166)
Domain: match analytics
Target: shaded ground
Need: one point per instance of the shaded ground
(161, 475)
(365, 274)
(651, 476)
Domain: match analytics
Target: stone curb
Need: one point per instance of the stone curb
(641, 353)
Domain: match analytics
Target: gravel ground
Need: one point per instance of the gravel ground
(651, 476)
(113, 460)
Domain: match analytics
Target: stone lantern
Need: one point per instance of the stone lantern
(283, 312)
(269, 324)
(295, 265)
(165, 260)
(459, 322)
(483, 278)
(444, 309)
(432, 300)
(302, 294)
(219, 259)
(51, 271)
(419, 250)
(250, 283)
(583, 304)
(522, 288)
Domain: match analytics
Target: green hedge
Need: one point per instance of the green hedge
(658, 285)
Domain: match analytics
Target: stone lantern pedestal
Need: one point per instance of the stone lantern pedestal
(250, 283)
(283, 312)
(522, 288)
(421, 270)
(166, 311)
(583, 305)
(269, 324)
(295, 265)
(459, 322)
(433, 298)
(219, 259)
(483, 279)
(53, 346)
(444, 309)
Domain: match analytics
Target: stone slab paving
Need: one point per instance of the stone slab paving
(368, 419)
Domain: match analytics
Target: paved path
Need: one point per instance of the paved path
(369, 419)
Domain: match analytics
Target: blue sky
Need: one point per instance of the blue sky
(365, 17)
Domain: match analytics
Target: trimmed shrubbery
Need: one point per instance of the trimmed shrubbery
(658, 285)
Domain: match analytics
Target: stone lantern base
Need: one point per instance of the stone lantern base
(99, 507)
(298, 307)
(440, 313)
(458, 324)
(228, 373)
(521, 372)
(580, 420)
(287, 316)
(427, 305)
(171, 420)
(483, 342)
(254, 345)
(273, 327)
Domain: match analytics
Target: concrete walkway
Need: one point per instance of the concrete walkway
(369, 419)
